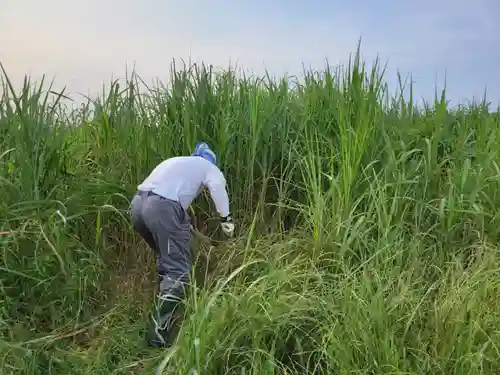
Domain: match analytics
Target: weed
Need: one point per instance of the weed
(367, 229)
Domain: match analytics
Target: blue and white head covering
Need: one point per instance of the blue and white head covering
(203, 150)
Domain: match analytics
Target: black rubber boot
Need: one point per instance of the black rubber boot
(162, 321)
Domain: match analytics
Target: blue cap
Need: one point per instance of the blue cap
(203, 150)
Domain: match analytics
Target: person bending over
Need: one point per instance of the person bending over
(159, 215)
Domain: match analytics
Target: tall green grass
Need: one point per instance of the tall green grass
(367, 228)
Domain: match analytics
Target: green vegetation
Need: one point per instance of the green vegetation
(367, 229)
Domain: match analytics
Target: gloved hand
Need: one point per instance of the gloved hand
(227, 225)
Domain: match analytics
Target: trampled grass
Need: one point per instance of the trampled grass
(367, 229)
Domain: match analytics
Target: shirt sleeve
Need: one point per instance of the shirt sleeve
(216, 184)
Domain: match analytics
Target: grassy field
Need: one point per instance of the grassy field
(367, 229)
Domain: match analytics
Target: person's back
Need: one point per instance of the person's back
(181, 179)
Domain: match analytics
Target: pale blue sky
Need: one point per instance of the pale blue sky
(84, 43)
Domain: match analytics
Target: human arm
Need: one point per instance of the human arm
(216, 185)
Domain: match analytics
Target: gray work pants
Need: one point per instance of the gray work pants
(165, 226)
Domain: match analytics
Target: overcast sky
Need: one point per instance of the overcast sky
(84, 43)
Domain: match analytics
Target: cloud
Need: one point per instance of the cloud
(85, 44)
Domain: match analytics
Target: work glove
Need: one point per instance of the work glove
(227, 225)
